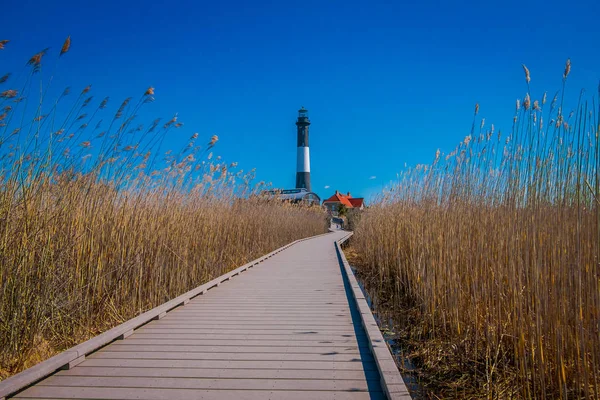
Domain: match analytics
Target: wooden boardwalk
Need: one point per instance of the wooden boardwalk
(290, 328)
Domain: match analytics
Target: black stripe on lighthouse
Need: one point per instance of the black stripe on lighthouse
(303, 155)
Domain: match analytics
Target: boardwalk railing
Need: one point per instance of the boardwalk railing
(391, 380)
(75, 355)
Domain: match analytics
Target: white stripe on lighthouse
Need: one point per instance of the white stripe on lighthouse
(303, 160)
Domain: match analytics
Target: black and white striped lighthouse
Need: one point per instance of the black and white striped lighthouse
(303, 164)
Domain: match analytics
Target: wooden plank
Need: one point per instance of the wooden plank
(325, 307)
(265, 329)
(330, 303)
(50, 392)
(241, 315)
(295, 296)
(328, 374)
(251, 324)
(298, 293)
(128, 347)
(246, 343)
(346, 321)
(222, 298)
(312, 365)
(317, 357)
(268, 309)
(309, 335)
(207, 383)
(265, 310)
(233, 321)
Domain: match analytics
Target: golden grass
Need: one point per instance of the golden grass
(98, 225)
(496, 247)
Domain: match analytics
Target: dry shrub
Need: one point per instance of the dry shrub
(496, 245)
(98, 225)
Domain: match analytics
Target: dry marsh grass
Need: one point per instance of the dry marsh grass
(494, 249)
(98, 224)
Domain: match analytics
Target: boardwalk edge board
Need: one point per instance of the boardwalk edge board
(391, 380)
(67, 359)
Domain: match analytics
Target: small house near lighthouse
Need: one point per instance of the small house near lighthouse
(338, 200)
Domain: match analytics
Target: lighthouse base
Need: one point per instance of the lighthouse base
(303, 180)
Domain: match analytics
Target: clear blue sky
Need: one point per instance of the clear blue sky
(386, 82)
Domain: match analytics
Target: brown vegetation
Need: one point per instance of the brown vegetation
(495, 248)
(97, 225)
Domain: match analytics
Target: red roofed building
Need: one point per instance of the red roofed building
(333, 203)
(357, 202)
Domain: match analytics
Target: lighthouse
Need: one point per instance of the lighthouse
(303, 161)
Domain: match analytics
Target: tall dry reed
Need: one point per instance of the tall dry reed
(496, 245)
(98, 224)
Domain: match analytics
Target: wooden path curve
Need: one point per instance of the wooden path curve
(294, 327)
